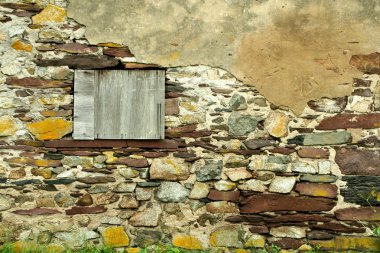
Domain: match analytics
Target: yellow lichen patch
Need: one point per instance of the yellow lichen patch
(187, 242)
(277, 124)
(110, 157)
(50, 129)
(115, 237)
(255, 241)
(55, 99)
(109, 44)
(321, 193)
(7, 126)
(55, 248)
(133, 250)
(22, 46)
(51, 13)
(242, 251)
(189, 106)
(350, 243)
(25, 246)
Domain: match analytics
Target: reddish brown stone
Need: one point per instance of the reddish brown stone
(331, 105)
(277, 202)
(289, 243)
(186, 131)
(341, 121)
(361, 83)
(135, 65)
(221, 91)
(319, 235)
(280, 150)
(76, 48)
(107, 198)
(86, 210)
(359, 214)
(202, 144)
(81, 152)
(313, 153)
(367, 63)
(153, 154)
(171, 106)
(231, 196)
(33, 162)
(358, 162)
(32, 82)
(317, 190)
(118, 52)
(259, 229)
(160, 144)
(22, 6)
(132, 162)
(80, 62)
(36, 211)
(45, 48)
(298, 218)
(337, 227)
(85, 200)
(245, 218)
(96, 180)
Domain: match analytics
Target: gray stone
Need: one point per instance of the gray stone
(172, 192)
(325, 138)
(147, 237)
(112, 220)
(99, 189)
(210, 171)
(240, 124)
(282, 184)
(64, 199)
(169, 168)
(289, 231)
(149, 217)
(129, 201)
(124, 187)
(303, 167)
(237, 102)
(143, 193)
(5, 202)
(253, 185)
(74, 161)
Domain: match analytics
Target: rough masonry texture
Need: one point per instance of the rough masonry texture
(237, 169)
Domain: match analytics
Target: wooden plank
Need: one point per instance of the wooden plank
(130, 104)
(84, 104)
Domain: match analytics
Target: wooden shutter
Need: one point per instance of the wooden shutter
(129, 104)
(84, 90)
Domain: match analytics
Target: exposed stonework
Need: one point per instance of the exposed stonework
(235, 171)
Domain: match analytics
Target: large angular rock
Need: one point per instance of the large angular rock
(81, 62)
(290, 231)
(211, 170)
(358, 162)
(362, 190)
(277, 124)
(187, 242)
(277, 202)
(302, 167)
(237, 102)
(169, 168)
(74, 161)
(5, 202)
(149, 217)
(344, 121)
(282, 184)
(115, 237)
(199, 191)
(317, 190)
(172, 192)
(240, 124)
(227, 236)
(325, 138)
(51, 14)
(50, 128)
(358, 214)
(8, 126)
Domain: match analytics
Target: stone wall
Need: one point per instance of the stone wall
(234, 171)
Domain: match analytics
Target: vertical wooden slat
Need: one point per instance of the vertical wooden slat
(129, 104)
(84, 86)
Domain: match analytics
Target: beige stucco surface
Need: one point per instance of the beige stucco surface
(293, 51)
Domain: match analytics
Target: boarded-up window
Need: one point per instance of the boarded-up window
(119, 104)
